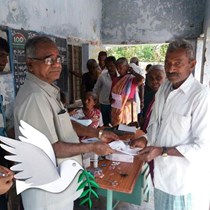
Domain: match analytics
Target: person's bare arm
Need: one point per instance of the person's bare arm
(82, 130)
(139, 79)
(151, 152)
(77, 74)
(63, 149)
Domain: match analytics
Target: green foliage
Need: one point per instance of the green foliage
(145, 53)
(87, 183)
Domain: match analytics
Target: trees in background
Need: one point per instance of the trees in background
(145, 53)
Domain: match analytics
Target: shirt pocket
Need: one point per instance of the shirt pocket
(180, 125)
(64, 125)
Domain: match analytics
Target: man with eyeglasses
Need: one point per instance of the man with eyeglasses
(38, 103)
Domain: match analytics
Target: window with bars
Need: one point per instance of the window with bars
(75, 69)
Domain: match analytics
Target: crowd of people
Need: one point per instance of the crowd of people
(120, 87)
(173, 109)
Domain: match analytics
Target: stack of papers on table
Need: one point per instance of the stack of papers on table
(123, 152)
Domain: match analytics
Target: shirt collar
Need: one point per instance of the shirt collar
(51, 89)
(186, 85)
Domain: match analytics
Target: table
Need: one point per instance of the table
(125, 184)
(131, 187)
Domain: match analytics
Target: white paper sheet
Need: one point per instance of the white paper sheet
(117, 101)
(131, 129)
(120, 146)
(84, 122)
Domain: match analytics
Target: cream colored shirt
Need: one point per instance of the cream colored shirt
(38, 104)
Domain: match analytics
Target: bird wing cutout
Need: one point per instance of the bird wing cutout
(36, 163)
(33, 165)
(33, 136)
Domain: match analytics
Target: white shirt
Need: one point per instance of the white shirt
(103, 87)
(181, 119)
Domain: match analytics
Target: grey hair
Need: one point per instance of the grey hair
(94, 96)
(156, 67)
(183, 44)
(122, 60)
(31, 45)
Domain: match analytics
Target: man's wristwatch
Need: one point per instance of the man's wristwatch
(164, 152)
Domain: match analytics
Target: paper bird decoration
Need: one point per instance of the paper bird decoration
(36, 162)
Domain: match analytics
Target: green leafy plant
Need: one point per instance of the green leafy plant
(87, 183)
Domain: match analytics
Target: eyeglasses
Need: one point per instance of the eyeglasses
(50, 60)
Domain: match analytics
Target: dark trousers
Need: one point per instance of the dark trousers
(3, 202)
(106, 114)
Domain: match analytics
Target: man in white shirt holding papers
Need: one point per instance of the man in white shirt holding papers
(178, 135)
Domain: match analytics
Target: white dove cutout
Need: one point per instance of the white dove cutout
(36, 162)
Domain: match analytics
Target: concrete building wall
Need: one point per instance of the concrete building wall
(63, 18)
(77, 18)
(206, 46)
(151, 21)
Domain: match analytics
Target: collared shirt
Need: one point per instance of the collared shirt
(38, 104)
(180, 119)
(103, 87)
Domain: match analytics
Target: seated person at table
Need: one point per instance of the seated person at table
(89, 111)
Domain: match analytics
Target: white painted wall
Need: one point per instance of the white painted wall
(206, 50)
(62, 18)
(78, 18)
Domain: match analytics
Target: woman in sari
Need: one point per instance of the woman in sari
(123, 94)
(155, 77)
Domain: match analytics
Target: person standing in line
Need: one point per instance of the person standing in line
(134, 63)
(89, 78)
(178, 135)
(103, 88)
(123, 93)
(102, 55)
